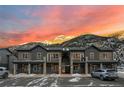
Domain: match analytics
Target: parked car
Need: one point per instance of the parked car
(103, 74)
(3, 72)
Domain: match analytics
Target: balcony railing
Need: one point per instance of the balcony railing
(28, 60)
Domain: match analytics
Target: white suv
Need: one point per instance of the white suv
(105, 74)
(3, 72)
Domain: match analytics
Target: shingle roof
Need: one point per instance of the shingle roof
(29, 46)
(61, 48)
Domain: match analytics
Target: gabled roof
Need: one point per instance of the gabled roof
(101, 48)
(61, 48)
(27, 47)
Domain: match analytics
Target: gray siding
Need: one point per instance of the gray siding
(92, 49)
(36, 50)
(6, 59)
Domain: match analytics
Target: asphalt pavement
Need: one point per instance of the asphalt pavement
(46, 81)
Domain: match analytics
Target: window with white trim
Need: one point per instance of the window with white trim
(53, 56)
(76, 56)
(24, 55)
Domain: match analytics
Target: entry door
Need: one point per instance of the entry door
(76, 68)
(67, 69)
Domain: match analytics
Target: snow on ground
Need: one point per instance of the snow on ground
(76, 75)
(44, 82)
(108, 85)
(89, 85)
(35, 81)
(54, 84)
(120, 74)
(1, 82)
(54, 75)
(22, 75)
(76, 79)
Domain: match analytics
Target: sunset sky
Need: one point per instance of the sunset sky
(20, 24)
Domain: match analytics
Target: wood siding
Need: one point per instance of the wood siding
(92, 50)
(77, 56)
(32, 55)
(22, 54)
(107, 56)
(38, 50)
(50, 57)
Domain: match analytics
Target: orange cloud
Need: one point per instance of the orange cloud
(69, 21)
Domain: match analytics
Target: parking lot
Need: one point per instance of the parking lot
(55, 81)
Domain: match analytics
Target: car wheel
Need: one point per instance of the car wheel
(5, 75)
(101, 78)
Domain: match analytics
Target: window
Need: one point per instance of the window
(25, 55)
(1, 69)
(105, 55)
(91, 55)
(76, 56)
(53, 56)
(39, 56)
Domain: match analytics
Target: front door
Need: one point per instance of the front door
(66, 69)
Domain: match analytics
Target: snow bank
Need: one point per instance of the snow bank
(23, 75)
(121, 74)
(76, 79)
(76, 75)
(54, 75)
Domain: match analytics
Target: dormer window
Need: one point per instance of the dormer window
(39, 56)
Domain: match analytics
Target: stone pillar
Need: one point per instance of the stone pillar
(101, 66)
(86, 66)
(60, 61)
(29, 68)
(44, 66)
(14, 69)
(71, 67)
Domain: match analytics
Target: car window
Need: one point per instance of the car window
(111, 71)
(99, 71)
(1, 69)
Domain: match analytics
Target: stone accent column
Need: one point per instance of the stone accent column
(14, 69)
(101, 66)
(60, 61)
(86, 66)
(44, 66)
(29, 68)
(71, 63)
